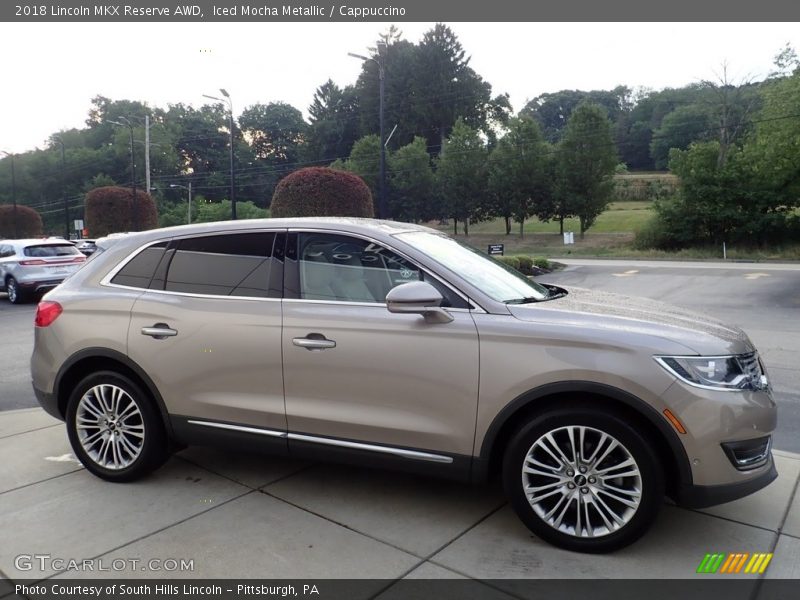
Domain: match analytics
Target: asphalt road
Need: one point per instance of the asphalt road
(16, 345)
(763, 299)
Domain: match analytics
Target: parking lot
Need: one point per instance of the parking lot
(248, 516)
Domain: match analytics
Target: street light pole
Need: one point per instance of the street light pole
(64, 188)
(128, 124)
(227, 96)
(381, 62)
(189, 211)
(13, 191)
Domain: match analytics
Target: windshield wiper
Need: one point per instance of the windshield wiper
(527, 300)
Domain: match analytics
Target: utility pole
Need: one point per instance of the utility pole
(133, 171)
(147, 151)
(225, 93)
(64, 188)
(380, 60)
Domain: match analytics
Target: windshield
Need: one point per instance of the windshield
(493, 278)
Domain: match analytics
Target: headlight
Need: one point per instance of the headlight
(741, 372)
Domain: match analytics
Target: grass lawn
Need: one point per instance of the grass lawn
(621, 217)
(610, 237)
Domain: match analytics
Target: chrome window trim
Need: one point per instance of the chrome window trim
(301, 437)
(372, 304)
(450, 286)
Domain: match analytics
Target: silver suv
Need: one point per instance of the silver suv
(33, 266)
(394, 345)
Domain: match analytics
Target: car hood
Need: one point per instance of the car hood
(603, 310)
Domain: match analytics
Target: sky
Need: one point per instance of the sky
(50, 71)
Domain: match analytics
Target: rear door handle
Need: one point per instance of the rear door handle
(317, 342)
(159, 331)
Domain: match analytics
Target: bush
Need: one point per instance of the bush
(110, 209)
(542, 263)
(29, 222)
(525, 265)
(320, 191)
(511, 261)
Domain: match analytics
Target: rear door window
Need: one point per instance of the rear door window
(232, 264)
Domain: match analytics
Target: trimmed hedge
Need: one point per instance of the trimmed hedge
(511, 261)
(525, 264)
(320, 191)
(110, 209)
(29, 222)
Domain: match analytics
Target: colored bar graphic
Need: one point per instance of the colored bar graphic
(734, 563)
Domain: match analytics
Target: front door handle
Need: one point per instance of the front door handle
(159, 331)
(314, 341)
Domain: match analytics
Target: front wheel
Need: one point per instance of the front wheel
(114, 427)
(583, 480)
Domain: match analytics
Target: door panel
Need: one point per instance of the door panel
(224, 364)
(390, 379)
(217, 300)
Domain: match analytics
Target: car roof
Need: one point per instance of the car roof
(36, 242)
(347, 224)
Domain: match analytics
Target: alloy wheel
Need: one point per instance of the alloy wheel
(582, 481)
(110, 426)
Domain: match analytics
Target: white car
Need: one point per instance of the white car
(34, 266)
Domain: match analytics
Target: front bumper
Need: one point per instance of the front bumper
(701, 496)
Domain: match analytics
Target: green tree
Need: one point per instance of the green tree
(333, 129)
(206, 212)
(519, 182)
(364, 161)
(553, 110)
(412, 183)
(275, 131)
(587, 159)
(461, 176)
(681, 127)
(445, 87)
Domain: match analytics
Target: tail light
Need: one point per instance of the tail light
(38, 261)
(46, 313)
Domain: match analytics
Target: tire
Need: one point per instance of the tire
(15, 294)
(125, 447)
(590, 510)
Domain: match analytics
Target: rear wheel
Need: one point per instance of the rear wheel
(15, 294)
(114, 428)
(583, 479)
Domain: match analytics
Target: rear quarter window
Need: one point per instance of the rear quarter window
(138, 271)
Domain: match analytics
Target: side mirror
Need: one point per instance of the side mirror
(418, 297)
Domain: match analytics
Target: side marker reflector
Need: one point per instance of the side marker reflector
(674, 420)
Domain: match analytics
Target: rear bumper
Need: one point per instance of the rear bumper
(40, 286)
(49, 403)
(701, 496)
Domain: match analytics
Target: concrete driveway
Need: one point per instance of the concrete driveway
(236, 516)
(248, 516)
